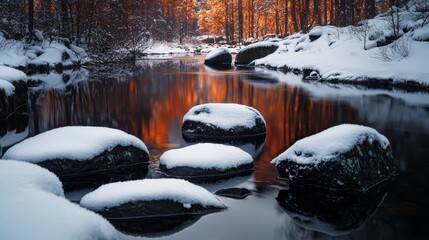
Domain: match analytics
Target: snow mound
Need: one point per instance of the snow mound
(16, 174)
(206, 156)
(7, 87)
(11, 74)
(327, 144)
(216, 53)
(77, 143)
(224, 115)
(35, 214)
(32, 207)
(177, 190)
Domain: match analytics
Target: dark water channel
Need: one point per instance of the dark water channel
(152, 103)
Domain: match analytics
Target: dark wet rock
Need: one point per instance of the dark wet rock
(255, 51)
(236, 193)
(154, 209)
(220, 56)
(108, 160)
(368, 161)
(331, 212)
(98, 178)
(206, 175)
(197, 122)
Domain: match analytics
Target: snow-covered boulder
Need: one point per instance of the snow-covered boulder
(222, 120)
(344, 157)
(32, 206)
(6, 92)
(315, 33)
(206, 161)
(6, 88)
(80, 150)
(12, 74)
(34, 214)
(219, 56)
(16, 174)
(13, 91)
(149, 199)
(331, 212)
(255, 51)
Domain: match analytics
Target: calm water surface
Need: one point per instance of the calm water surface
(152, 103)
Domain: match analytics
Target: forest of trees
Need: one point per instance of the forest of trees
(102, 25)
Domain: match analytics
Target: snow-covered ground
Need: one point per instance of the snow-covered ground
(177, 190)
(351, 53)
(32, 206)
(78, 143)
(206, 156)
(44, 52)
(329, 143)
(11, 74)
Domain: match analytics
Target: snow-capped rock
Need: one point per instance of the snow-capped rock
(344, 157)
(222, 120)
(206, 161)
(79, 150)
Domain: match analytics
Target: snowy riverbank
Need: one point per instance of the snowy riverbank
(374, 53)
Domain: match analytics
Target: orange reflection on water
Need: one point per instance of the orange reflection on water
(152, 105)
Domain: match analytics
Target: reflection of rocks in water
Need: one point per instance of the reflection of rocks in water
(331, 212)
(56, 80)
(13, 130)
(98, 178)
(154, 227)
(217, 67)
(251, 145)
(261, 79)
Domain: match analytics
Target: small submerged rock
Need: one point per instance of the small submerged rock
(219, 56)
(206, 161)
(74, 151)
(222, 120)
(344, 157)
(236, 193)
(145, 200)
(255, 51)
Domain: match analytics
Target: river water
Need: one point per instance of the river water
(151, 103)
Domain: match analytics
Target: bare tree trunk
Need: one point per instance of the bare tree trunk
(295, 24)
(31, 18)
(240, 21)
(286, 16)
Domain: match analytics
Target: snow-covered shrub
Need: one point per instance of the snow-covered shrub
(399, 49)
